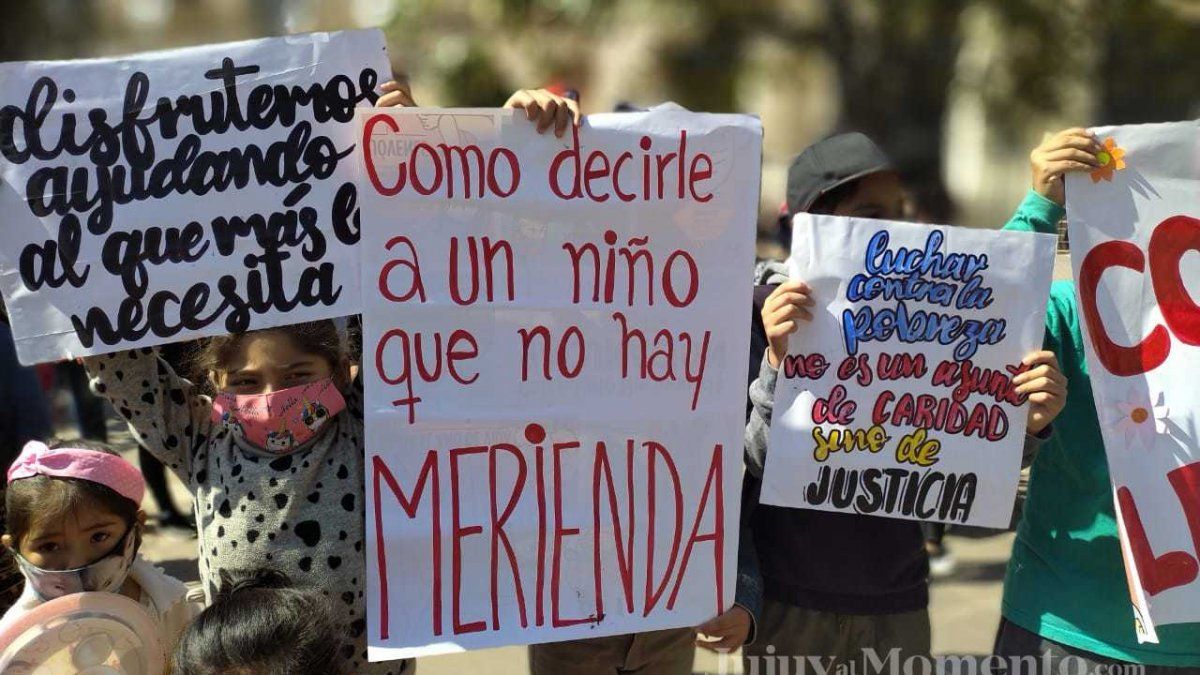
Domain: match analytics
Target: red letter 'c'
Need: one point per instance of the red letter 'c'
(1117, 359)
(369, 161)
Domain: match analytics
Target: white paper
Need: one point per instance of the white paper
(880, 430)
(145, 186)
(514, 418)
(1134, 242)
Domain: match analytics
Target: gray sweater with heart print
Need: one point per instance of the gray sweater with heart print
(301, 513)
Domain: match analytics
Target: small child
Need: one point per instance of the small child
(261, 623)
(74, 525)
(269, 489)
(274, 456)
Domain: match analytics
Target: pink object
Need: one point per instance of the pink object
(37, 459)
(281, 421)
(84, 632)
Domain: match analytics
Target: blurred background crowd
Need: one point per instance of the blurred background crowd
(955, 90)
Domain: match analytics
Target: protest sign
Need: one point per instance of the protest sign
(177, 194)
(1134, 224)
(896, 400)
(555, 344)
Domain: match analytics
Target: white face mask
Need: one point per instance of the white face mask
(104, 575)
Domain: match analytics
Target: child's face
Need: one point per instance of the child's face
(269, 362)
(79, 539)
(878, 195)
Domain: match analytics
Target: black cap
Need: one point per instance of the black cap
(826, 164)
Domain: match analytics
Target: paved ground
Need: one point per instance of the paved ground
(965, 606)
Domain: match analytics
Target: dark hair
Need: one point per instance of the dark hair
(827, 202)
(261, 623)
(40, 498)
(312, 337)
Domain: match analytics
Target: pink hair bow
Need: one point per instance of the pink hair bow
(37, 459)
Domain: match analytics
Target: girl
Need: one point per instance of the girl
(74, 525)
(261, 623)
(268, 489)
(272, 485)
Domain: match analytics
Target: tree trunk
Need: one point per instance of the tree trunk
(895, 66)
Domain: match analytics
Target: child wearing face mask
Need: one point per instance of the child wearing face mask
(74, 525)
(271, 447)
(274, 456)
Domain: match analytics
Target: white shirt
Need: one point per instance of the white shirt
(164, 597)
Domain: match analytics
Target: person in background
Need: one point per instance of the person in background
(89, 408)
(837, 583)
(24, 416)
(261, 623)
(1065, 591)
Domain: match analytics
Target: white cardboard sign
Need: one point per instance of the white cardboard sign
(1135, 237)
(171, 195)
(896, 399)
(555, 343)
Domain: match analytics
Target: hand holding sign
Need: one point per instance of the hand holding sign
(782, 312)
(547, 109)
(1044, 386)
(1069, 150)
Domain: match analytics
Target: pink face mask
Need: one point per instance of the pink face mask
(281, 421)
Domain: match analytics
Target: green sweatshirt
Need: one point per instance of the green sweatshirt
(1066, 580)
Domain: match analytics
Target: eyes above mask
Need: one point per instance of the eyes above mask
(281, 421)
(104, 575)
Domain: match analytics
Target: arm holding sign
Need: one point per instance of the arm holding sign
(168, 413)
(784, 309)
(1062, 153)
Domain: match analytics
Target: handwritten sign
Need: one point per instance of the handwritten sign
(1135, 232)
(897, 399)
(555, 363)
(172, 195)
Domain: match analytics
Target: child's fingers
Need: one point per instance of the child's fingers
(715, 626)
(783, 329)
(1067, 166)
(1075, 154)
(1074, 131)
(549, 111)
(562, 118)
(1033, 374)
(785, 289)
(1085, 143)
(1041, 357)
(524, 100)
(798, 285)
(393, 93)
(394, 99)
(784, 299)
(1043, 398)
(573, 107)
(724, 644)
(1042, 384)
(790, 311)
